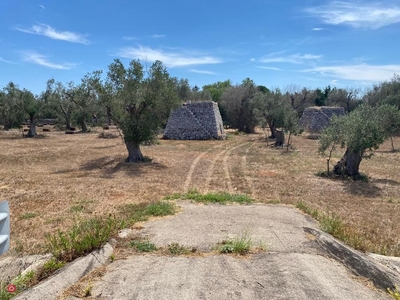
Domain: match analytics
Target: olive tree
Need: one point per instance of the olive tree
(359, 131)
(237, 103)
(11, 113)
(140, 101)
(269, 109)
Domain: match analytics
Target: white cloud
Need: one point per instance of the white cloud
(170, 59)
(269, 68)
(157, 36)
(42, 6)
(293, 59)
(357, 14)
(46, 30)
(7, 61)
(202, 72)
(252, 59)
(359, 72)
(317, 29)
(129, 38)
(39, 59)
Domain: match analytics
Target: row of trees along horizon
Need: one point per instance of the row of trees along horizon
(139, 101)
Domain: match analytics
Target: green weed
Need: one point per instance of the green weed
(21, 282)
(49, 268)
(220, 197)
(395, 294)
(176, 249)
(84, 237)
(28, 215)
(143, 246)
(240, 245)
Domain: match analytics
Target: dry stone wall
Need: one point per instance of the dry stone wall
(315, 119)
(195, 121)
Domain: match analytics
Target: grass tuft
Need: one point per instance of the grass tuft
(143, 246)
(88, 235)
(176, 249)
(395, 294)
(28, 215)
(220, 197)
(49, 268)
(240, 245)
(21, 282)
(84, 237)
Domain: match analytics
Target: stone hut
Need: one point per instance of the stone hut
(195, 121)
(315, 119)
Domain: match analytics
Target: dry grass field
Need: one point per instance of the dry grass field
(56, 179)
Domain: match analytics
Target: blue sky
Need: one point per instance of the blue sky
(291, 43)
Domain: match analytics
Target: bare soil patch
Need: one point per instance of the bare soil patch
(57, 179)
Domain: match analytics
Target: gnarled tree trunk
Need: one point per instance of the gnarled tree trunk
(272, 128)
(349, 164)
(32, 127)
(134, 153)
(280, 138)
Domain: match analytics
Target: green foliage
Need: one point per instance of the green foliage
(176, 249)
(273, 109)
(22, 282)
(217, 89)
(387, 92)
(359, 131)
(11, 112)
(49, 268)
(83, 238)
(140, 101)
(394, 293)
(220, 197)
(239, 245)
(28, 215)
(143, 246)
(160, 208)
(238, 106)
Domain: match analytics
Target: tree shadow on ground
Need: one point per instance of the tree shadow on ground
(110, 165)
(364, 189)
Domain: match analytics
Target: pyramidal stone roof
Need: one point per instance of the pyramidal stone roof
(195, 121)
(315, 119)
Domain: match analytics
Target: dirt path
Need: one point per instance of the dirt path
(245, 170)
(193, 166)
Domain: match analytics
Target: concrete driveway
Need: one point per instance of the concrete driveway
(294, 265)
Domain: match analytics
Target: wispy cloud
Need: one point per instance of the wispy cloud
(359, 72)
(129, 38)
(317, 29)
(269, 68)
(358, 14)
(202, 72)
(46, 30)
(293, 59)
(170, 59)
(42, 6)
(7, 61)
(39, 59)
(157, 36)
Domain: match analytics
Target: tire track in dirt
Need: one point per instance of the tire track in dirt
(244, 168)
(211, 168)
(226, 166)
(193, 167)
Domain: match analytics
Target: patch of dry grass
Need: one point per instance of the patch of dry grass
(63, 178)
